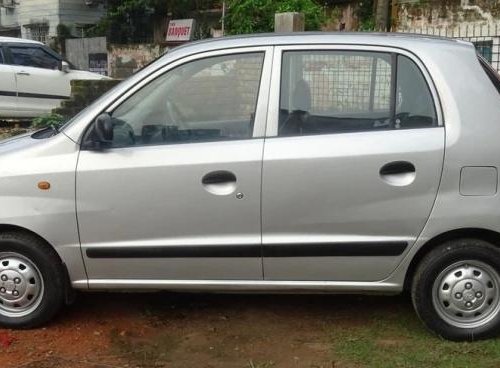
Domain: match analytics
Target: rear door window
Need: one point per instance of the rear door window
(328, 92)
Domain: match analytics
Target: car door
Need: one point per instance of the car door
(41, 86)
(352, 162)
(177, 194)
(8, 94)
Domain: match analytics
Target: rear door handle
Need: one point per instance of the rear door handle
(219, 177)
(398, 173)
(397, 167)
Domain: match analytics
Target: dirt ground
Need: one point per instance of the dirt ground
(192, 330)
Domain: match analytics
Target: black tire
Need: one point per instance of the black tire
(51, 272)
(428, 271)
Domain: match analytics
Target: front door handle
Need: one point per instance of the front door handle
(23, 73)
(398, 173)
(219, 182)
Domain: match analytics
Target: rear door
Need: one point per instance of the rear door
(352, 162)
(41, 86)
(8, 94)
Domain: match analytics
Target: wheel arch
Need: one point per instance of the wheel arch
(15, 228)
(69, 292)
(490, 236)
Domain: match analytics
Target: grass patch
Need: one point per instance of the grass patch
(400, 340)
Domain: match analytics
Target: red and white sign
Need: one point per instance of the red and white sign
(180, 30)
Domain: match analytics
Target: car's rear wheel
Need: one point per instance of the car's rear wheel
(456, 290)
(31, 281)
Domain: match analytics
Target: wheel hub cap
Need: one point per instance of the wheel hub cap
(467, 294)
(21, 285)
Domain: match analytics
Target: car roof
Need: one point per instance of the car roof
(18, 40)
(401, 40)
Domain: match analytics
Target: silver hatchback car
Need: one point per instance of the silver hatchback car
(352, 163)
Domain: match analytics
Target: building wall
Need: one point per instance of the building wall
(50, 12)
(38, 11)
(8, 18)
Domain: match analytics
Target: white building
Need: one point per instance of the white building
(38, 19)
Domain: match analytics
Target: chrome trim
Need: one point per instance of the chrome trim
(243, 286)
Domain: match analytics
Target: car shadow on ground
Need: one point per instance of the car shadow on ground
(228, 330)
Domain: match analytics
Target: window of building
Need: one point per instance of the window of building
(34, 57)
(324, 92)
(38, 32)
(205, 100)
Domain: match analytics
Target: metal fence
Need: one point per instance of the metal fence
(345, 82)
(485, 37)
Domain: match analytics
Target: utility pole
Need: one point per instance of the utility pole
(223, 17)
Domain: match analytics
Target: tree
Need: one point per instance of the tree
(255, 16)
(382, 15)
(130, 21)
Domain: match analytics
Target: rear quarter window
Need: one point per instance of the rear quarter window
(490, 72)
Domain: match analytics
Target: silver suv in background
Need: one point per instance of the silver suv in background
(351, 163)
(34, 79)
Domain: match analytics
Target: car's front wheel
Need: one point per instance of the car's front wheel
(456, 290)
(31, 281)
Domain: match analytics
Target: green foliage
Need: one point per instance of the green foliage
(366, 16)
(255, 16)
(49, 120)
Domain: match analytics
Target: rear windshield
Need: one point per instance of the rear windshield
(490, 72)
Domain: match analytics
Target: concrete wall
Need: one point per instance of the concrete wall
(449, 14)
(78, 50)
(124, 60)
(477, 21)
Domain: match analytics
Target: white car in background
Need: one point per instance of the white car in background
(34, 79)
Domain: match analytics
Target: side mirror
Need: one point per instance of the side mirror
(103, 128)
(64, 66)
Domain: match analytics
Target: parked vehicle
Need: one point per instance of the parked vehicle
(34, 79)
(350, 163)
